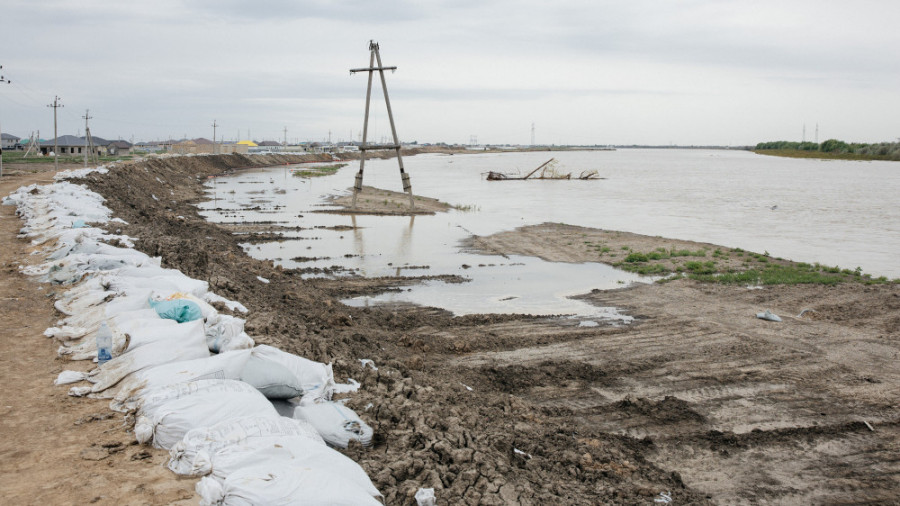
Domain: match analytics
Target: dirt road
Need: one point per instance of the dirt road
(698, 398)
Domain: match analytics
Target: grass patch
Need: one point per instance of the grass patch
(791, 274)
(321, 170)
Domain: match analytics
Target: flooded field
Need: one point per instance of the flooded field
(832, 212)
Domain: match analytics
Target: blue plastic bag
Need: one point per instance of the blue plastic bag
(180, 310)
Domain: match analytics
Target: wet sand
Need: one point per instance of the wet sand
(698, 398)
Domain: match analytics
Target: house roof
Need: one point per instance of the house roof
(269, 143)
(248, 143)
(202, 141)
(120, 144)
(9, 137)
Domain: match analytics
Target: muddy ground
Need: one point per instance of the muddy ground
(697, 398)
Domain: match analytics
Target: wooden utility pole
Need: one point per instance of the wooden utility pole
(55, 105)
(284, 146)
(375, 57)
(3, 80)
(214, 125)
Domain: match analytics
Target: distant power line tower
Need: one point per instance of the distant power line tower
(375, 56)
(817, 133)
(473, 140)
(215, 148)
(532, 133)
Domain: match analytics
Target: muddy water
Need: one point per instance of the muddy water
(832, 212)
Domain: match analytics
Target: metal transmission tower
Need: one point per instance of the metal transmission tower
(375, 56)
(55, 105)
(214, 125)
(88, 140)
(532, 134)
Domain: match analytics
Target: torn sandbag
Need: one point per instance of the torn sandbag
(169, 413)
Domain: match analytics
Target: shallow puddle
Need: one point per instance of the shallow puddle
(274, 201)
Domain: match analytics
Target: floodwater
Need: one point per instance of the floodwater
(832, 212)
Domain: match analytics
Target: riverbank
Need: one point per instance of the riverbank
(698, 398)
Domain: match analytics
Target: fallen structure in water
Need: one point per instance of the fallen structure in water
(547, 171)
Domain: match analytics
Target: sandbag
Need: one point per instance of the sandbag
(336, 423)
(316, 379)
(188, 347)
(169, 413)
(228, 365)
(192, 456)
(283, 485)
(272, 379)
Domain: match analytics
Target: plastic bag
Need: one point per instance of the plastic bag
(180, 310)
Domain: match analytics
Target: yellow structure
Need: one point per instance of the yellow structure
(248, 143)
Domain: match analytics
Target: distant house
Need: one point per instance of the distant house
(71, 145)
(119, 148)
(8, 141)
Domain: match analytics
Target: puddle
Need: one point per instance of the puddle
(373, 246)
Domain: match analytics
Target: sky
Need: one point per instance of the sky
(674, 72)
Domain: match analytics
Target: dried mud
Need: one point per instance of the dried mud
(697, 398)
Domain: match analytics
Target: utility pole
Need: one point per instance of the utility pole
(214, 125)
(3, 80)
(532, 133)
(55, 105)
(375, 55)
(88, 140)
(284, 146)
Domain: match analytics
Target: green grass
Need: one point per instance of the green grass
(791, 274)
(321, 170)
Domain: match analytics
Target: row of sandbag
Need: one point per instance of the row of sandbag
(215, 412)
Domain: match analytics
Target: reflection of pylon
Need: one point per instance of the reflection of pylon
(375, 56)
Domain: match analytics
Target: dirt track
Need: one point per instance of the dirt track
(697, 398)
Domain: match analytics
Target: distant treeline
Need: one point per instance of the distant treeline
(880, 151)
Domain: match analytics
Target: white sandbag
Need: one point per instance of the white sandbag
(171, 412)
(272, 379)
(283, 485)
(156, 330)
(192, 456)
(336, 423)
(225, 333)
(227, 365)
(276, 452)
(316, 378)
(191, 346)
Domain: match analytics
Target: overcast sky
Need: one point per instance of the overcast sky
(582, 72)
